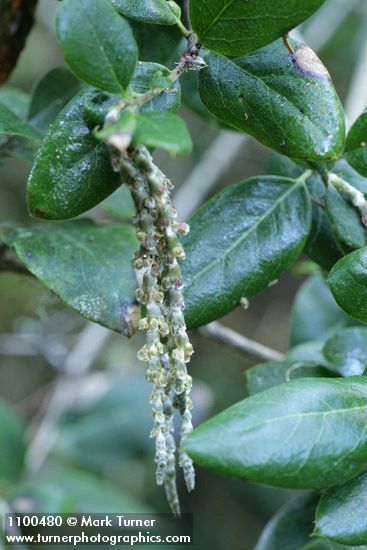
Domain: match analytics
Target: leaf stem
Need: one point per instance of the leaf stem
(306, 174)
(355, 196)
(186, 32)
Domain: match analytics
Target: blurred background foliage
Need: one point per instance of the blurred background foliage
(74, 407)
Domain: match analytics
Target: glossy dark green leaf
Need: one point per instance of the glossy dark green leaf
(315, 315)
(241, 241)
(12, 443)
(144, 77)
(345, 219)
(15, 100)
(356, 145)
(292, 526)
(72, 171)
(267, 375)
(191, 98)
(322, 246)
(346, 352)
(12, 125)
(341, 514)
(164, 131)
(343, 169)
(97, 43)
(287, 102)
(157, 43)
(86, 265)
(348, 283)
(156, 12)
(98, 103)
(309, 433)
(50, 95)
(120, 204)
(235, 27)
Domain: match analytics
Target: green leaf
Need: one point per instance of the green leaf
(156, 43)
(308, 352)
(348, 283)
(240, 242)
(191, 98)
(307, 434)
(50, 95)
(156, 12)
(322, 246)
(235, 27)
(12, 125)
(292, 526)
(286, 102)
(144, 77)
(124, 127)
(86, 265)
(346, 352)
(15, 100)
(343, 169)
(12, 443)
(72, 171)
(98, 103)
(315, 313)
(97, 43)
(345, 219)
(163, 130)
(356, 145)
(341, 514)
(120, 204)
(273, 373)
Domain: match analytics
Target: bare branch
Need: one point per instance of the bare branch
(232, 339)
(80, 359)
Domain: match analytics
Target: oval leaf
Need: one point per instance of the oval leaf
(346, 352)
(287, 102)
(348, 283)
(143, 80)
(292, 526)
(150, 11)
(273, 373)
(163, 130)
(345, 219)
(309, 433)
(238, 27)
(50, 95)
(356, 145)
(12, 125)
(315, 301)
(97, 43)
(241, 241)
(72, 171)
(341, 514)
(86, 265)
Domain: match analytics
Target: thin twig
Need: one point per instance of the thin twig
(88, 347)
(357, 96)
(224, 335)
